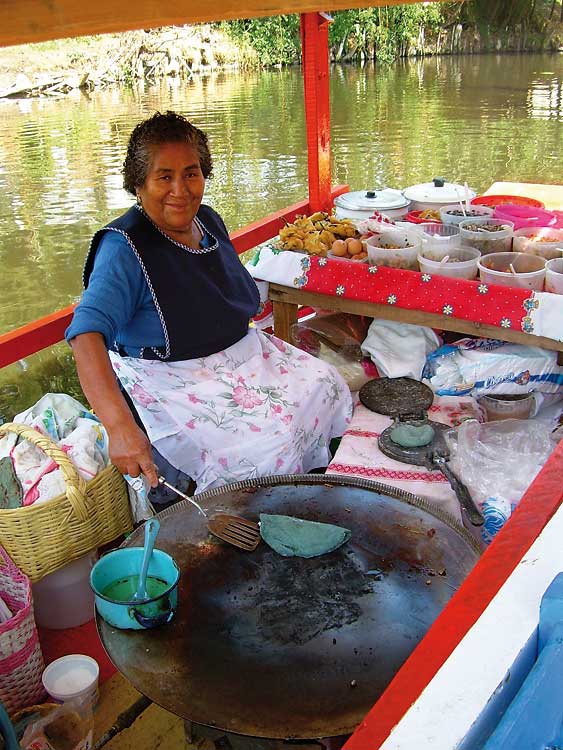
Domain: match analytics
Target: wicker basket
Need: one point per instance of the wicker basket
(43, 537)
(21, 661)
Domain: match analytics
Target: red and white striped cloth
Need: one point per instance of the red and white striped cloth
(359, 456)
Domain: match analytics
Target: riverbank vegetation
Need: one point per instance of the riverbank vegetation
(370, 34)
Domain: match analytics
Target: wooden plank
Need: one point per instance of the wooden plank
(550, 195)
(34, 336)
(282, 294)
(23, 21)
(285, 316)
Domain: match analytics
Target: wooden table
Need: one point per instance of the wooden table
(286, 300)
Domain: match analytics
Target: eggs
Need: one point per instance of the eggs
(351, 248)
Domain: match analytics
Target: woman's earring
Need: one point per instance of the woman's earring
(139, 201)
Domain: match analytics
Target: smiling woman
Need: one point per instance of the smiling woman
(168, 298)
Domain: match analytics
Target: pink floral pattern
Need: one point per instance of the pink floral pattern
(260, 407)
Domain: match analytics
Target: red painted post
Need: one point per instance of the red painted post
(314, 43)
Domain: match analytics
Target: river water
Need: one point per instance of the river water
(476, 118)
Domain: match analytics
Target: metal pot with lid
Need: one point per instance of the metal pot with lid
(434, 194)
(364, 203)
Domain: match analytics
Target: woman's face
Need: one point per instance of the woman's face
(173, 189)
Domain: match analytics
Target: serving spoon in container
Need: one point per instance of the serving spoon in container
(152, 527)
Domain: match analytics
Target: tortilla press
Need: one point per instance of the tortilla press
(413, 438)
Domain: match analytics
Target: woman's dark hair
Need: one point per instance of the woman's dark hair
(169, 127)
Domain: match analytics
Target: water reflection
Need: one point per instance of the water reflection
(477, 118)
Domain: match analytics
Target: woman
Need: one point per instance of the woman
(166, 307)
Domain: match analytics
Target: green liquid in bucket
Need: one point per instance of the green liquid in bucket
(123, 590)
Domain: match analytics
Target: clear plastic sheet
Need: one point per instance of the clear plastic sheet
(497, 461)
(336, 338)
(68, 726)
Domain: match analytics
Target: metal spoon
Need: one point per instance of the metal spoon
(152, 527)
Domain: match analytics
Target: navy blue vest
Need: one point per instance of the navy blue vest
(204, 300)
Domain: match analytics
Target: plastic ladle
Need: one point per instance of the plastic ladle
(152, 527)
(444, 260)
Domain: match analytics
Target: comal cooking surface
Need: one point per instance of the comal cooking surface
(287, 647)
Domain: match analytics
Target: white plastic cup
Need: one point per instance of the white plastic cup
(554, 276)
(72, 676)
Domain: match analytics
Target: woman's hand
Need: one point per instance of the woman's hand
(130, 451)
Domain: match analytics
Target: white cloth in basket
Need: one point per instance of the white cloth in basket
(73, 428)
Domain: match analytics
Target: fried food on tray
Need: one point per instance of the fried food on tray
(315, 234)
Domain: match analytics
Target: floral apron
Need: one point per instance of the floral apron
(259, 407)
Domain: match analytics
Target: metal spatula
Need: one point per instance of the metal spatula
(235, 530)
(232, 529)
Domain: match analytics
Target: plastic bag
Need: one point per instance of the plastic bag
(478, 366)
(69, 726)
(335, 338)
(497, 461)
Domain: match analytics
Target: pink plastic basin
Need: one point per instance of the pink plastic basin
(525, 216)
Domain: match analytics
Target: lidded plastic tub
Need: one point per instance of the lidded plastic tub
(554, 276)
(525, 216)
(529, 270)
(543, 241)
(454, 215)
(440, 237)
(461, 263)
(487, 235)
(394, 248)
(511, 406)
(72, 676)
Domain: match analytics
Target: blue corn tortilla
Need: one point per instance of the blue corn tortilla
(295, 537)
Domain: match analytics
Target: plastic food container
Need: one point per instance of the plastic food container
(461, 263)
(529, 270)
(525, 216)
(554, 276)
(543, 241)
(511, 406)
(454, 215)
(394, 248)
(72, 676)
(442, 237)
(435, 194)
(498, 200)
(364, 203)
(487, 235)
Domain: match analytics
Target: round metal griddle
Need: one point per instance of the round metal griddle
(403, 398)
(294, 648)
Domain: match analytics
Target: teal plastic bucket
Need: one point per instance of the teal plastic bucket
(122, 565)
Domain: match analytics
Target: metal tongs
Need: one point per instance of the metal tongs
(235, 530)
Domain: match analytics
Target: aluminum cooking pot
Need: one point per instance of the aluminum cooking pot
(124, 565)
(439, 192)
